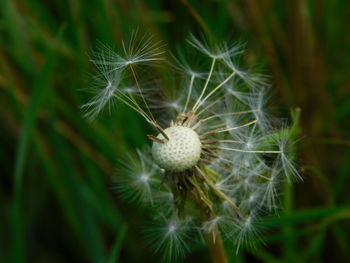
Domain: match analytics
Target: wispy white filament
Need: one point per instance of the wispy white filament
(241, 157)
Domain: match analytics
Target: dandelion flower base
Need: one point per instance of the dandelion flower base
(181, 152)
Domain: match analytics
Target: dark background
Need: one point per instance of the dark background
(57, 202)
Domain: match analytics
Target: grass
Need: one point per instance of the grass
(57, 200)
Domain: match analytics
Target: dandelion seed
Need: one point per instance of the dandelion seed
(171, 238)
(140, 176)
(218, 161)
(246, 233)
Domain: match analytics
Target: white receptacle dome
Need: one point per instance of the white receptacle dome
(181, 152)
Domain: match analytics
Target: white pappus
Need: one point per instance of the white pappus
(216, 163)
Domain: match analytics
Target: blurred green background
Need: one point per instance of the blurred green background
(57, 202)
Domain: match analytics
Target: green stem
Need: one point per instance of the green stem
(216, 247)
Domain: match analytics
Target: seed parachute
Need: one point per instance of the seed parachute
(216, 157)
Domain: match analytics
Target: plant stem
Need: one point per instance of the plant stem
(216, 247)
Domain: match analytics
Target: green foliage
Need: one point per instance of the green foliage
(57, 202)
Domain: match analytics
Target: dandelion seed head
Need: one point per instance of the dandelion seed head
(182, 150)
(216, 154)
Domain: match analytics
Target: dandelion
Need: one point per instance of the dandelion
(213, 169)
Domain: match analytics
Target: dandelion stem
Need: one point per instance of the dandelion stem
(216, 247)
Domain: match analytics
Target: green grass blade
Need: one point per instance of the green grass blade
(114, 255)
(40, 91)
